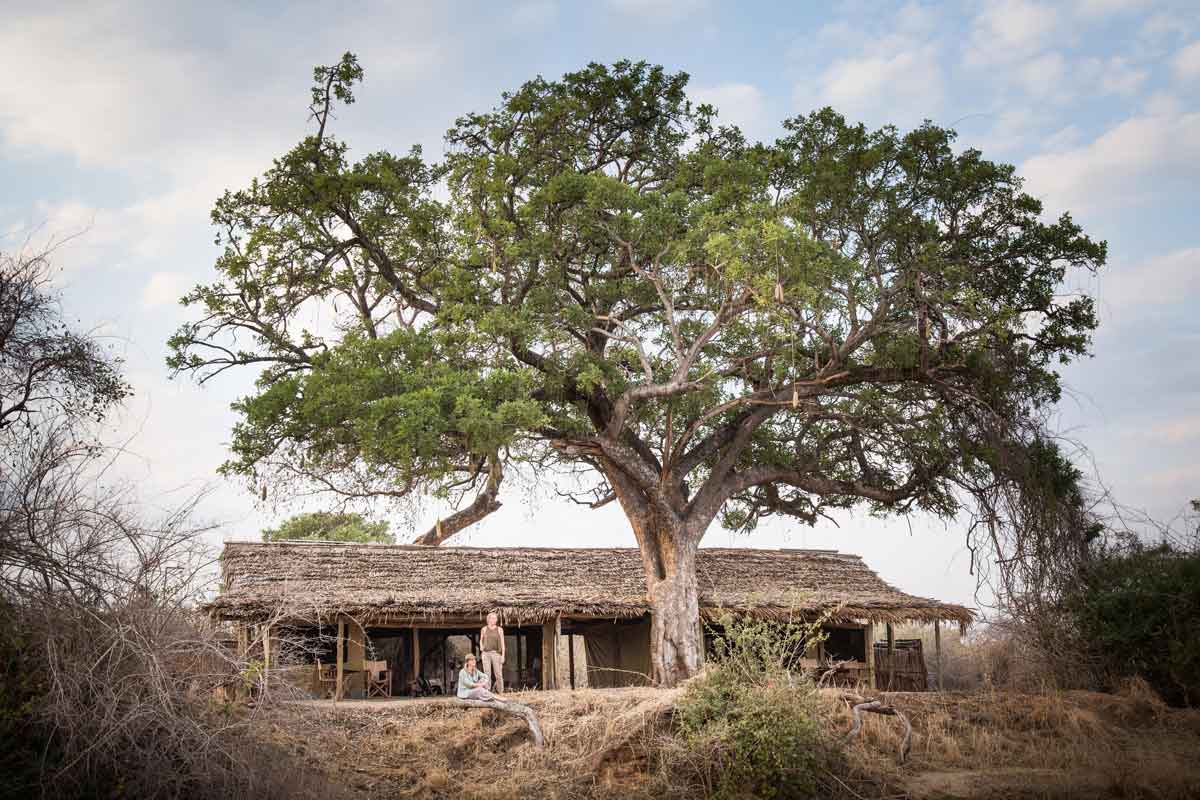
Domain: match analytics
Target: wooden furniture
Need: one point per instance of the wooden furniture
(423, 687)
(378, 679)
(327, 679)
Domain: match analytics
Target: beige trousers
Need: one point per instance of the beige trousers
(493, 667)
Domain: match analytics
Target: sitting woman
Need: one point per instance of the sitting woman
(473, 684)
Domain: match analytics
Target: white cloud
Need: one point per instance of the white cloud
(1138, 159)
(1187, 62)
(1096, 9)
(1065, 138)
(1173, 431)
(740, 104)
(1162, 104)
(1116, 75)
(1166, 280)
(84, 84)
(659, 10)
(1012, 129)
(109, 85)
(1010, 30)
(535, 13)
(904, 86)
(1043, 77)
(163, 289)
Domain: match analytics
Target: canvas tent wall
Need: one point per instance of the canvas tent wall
(618, 652)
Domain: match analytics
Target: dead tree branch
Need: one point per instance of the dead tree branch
(516, 709)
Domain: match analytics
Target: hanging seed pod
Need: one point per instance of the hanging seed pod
(778, 292)
(795, 397)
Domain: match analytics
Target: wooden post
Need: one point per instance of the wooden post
(341, 665)
(891, 641)
(571, 656)
(266, 649)
(416, 648)
(522, 666)
(243, 653)
(937, 649)
(869, 641)
(619, 675)
(551, 631)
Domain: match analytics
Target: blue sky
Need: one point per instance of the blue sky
(120, 123)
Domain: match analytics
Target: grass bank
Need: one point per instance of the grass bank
(626, 743)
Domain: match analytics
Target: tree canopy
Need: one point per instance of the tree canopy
(47, 367)
(601, 283)
(328, 527)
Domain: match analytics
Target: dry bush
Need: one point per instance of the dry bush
(108, 675)
(995, 655)
(130, 708)
(1046, 745)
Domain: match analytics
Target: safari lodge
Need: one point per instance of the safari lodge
(394, 620)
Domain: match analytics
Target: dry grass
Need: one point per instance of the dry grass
(599, 744)
(607, 744)
(1043, 745)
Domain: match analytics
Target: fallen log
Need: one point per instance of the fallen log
(516, 709)
(878, 707)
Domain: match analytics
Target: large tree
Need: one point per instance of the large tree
(324, 526)
(600, 280)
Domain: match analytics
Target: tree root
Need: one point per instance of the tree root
(860, 705)
(516, 709)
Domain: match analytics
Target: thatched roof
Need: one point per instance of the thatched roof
(315, 580)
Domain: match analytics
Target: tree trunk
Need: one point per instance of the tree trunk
(668, 549)
(676, 644)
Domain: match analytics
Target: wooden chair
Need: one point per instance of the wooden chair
(423, 687)
(378, 679)
(327, 679)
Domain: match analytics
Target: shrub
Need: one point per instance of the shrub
(1137, 613)
(755, 722)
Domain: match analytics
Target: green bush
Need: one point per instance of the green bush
(1137, 613)
(756, 723)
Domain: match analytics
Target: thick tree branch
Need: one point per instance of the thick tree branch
(485, 503)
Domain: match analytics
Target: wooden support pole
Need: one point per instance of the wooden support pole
(891, 644)
(243, 654)
(416, 647)
(571, 656)
(937, 649)
(341, 661)
(869, 655)
(266, 649)
(522, 679)
(551, 632)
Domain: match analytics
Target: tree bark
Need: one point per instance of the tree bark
(668, 545)
(509, 707)
(486, 502)
(676, 644)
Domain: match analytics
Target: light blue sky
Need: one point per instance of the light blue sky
(122, 122)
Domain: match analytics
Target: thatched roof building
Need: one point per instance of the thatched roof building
(570, 614)
(316, 580)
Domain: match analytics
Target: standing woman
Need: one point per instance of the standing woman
(473, 684)
(491, 642)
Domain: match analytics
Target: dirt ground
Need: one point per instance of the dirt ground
(600, 743)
